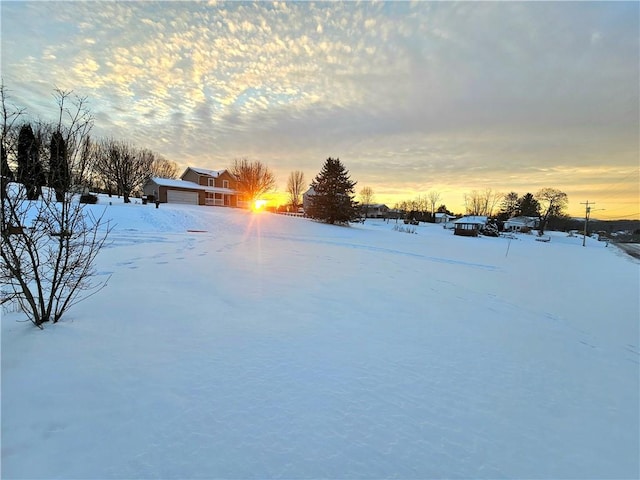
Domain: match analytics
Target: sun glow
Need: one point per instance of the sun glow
(259, 205)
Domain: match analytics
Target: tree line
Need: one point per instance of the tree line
(62, 154)
(547, 204)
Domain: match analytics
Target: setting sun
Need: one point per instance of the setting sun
(259, 205)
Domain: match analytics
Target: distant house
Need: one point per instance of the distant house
(444, 218)
(306, 198)
(521, 224)
(197, 186)
(374, 210)
(469, 226)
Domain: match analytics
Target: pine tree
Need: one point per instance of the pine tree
(529, 206)
(6, 175)
(30, 172)
(59, 176)
(510, 206)
(333, 198)
(6, 170)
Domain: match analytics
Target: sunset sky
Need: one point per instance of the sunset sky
(411, 96)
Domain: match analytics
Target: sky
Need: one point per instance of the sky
(411, 96)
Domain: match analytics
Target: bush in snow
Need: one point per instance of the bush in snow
(47, 253)
(407, 229)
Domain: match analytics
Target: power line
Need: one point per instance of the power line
(587, 212)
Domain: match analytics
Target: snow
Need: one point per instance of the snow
(231, 344)
(171, 182)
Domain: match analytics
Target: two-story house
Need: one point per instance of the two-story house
(197, 186)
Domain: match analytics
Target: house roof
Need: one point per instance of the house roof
(521, 221)
(172, 183)
(375, 205)
(444, 215)
(474, 219)
(204, 171)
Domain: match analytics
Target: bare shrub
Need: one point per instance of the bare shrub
(48, 253)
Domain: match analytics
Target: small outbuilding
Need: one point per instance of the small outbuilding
(443, 218)
(469, 226)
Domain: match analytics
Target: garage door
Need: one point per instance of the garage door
(180, 196)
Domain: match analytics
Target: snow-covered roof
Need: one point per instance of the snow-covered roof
(444, 215)
(476, 219)
(375, 205)
(521, 221)
(210, 173)
(170, 182)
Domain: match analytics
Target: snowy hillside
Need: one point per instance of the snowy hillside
(236, 345)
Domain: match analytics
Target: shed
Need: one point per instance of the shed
(469, 226)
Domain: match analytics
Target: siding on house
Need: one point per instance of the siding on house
(517, 224)
(375, 210)
(306, 198)
(213, 188)
(158, 187)
(220, 186)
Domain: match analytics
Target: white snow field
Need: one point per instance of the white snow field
(268, 346)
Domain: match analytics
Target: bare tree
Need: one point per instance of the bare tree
(434, 198)
(295, 187)
(75, 122)
(83, 171)
(48, 251)
(121, 165)
(473, 204)
(481, 203)
(366, 199)
(8, 147)
(492, 199)
(254, 179)
(47, 248)
(552, 203)
(163, 168)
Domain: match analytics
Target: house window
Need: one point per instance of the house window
(225, 183)
(211, 182)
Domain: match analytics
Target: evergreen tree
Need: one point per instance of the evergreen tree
(6, 170)
(443, 209)
(529, 206)
(59, 176)
(333, 198)
(30, 172)
(6, 175)
(510, 206)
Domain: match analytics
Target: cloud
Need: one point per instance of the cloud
(468, 90)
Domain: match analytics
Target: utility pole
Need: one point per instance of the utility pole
(587, 212)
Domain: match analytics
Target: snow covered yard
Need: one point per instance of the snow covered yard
(265, 346)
